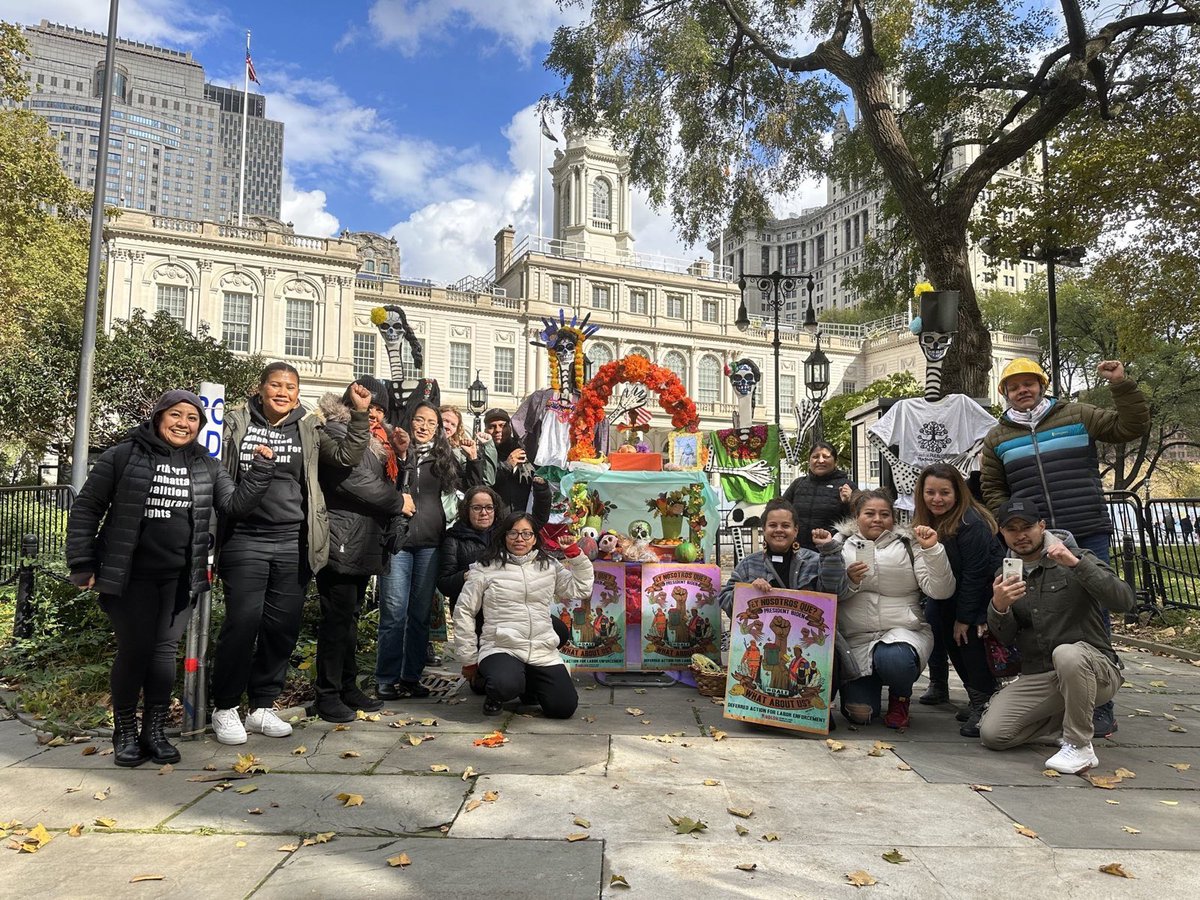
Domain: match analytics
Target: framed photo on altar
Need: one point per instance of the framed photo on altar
(687, 451)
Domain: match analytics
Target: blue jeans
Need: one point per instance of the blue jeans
(895, 666)
(405, 603)
(1098, 544)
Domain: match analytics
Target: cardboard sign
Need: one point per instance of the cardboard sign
(781, 658)
(680, 615)
(597, 623)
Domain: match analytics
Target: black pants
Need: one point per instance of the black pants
(337, 635)
(939, 660)
(148, 619)
(265, 582)
(969, 659)
(506, 678)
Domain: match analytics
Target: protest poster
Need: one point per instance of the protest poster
(781, 658)
(596, 622)
(680, 615)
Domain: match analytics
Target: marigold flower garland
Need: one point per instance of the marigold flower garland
(589, 410)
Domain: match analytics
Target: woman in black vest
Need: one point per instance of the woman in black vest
(155, 493)
(822, 497)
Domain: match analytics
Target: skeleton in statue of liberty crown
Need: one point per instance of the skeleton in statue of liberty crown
(932, 428)
(394, 328)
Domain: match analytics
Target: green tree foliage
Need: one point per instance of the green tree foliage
(142, 357)
(833, 413)
(723, 103)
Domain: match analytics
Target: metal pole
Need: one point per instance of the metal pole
(1051, 283)
(87, 352)
(245, 118)
(540, 177)
(778, 302)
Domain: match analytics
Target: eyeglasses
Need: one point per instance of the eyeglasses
(483, 509)
(521, 535)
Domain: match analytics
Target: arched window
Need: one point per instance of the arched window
(601, 202)
(599, 354)
(677, 363)
(638, 351)
(709, 375)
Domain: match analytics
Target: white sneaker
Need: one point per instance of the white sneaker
(1072, 760)
(265, 720)
(227, 726)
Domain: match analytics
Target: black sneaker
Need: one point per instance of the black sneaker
(935, 695)
(1103, 722)
(410, 689)
(492, 707)
(356, 699)
(332, 709)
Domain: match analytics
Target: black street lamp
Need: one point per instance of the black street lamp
(816, 373)
(776, 287)
(477, 399)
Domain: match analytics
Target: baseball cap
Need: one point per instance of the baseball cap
(1025, 508)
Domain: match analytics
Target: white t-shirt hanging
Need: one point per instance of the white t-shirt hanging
(929, 432)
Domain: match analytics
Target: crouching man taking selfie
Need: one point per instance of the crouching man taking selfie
(1048, 600)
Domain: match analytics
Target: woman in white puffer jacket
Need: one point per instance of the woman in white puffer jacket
(513, 585)
(879, 612)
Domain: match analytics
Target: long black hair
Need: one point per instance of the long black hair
(497, 551)
(445, 466)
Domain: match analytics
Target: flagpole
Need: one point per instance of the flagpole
(245, 119)
(540, 175)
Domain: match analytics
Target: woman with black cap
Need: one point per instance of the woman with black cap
(155, 493)
(366, 526)
(822, 497)
(268, 557)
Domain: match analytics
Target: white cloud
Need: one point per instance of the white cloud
(170, 22)
(306, 209)
(413, 25)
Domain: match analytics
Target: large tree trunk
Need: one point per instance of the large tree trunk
(944, 252)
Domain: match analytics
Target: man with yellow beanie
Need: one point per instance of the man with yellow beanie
(1044, 448)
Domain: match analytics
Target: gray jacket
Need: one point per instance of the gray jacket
(824, 572)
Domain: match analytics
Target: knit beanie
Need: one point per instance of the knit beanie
(170, 398)
(379, 392)
(494, 414)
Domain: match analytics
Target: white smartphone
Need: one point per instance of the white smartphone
(865, 553)
(1012, 567)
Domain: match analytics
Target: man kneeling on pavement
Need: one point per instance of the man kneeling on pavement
(1055, 617)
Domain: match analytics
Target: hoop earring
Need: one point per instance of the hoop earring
(795, 546)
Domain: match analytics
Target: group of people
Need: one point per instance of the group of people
(332, 494)
(338, 495)
(1024, 565)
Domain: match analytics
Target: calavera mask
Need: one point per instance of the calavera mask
(935, 344)
(743, 380)
(639, 530)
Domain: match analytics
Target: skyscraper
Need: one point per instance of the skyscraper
(264, 149)
(169, 150)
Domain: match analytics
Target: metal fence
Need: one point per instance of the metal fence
(39, 510)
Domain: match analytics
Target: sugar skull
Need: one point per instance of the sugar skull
(640, 530)
(744, 375)
(609, 543)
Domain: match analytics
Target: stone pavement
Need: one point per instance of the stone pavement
(495, 822)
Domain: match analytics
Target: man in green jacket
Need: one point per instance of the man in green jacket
(1055, 615)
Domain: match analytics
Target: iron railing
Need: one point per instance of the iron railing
(39, 510)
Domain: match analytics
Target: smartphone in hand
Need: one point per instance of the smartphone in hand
(865, 553)
(1012, 568)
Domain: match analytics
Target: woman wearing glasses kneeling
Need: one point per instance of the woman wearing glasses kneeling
(513, 585)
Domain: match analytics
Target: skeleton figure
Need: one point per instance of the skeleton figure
(543, 419)
(744, 375)
(393, 327)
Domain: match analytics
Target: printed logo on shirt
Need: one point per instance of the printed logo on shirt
(280, 444)
(933, 437)
(170, 490)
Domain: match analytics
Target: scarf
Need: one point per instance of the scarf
(1031, 417)
(390, 464)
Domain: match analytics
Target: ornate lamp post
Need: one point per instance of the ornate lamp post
(477, 399)
(776, 287)
(816, 383)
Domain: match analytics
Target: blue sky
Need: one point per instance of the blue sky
(413, 118)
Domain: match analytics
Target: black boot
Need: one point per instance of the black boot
(127, 750)
(979, 701)
(154, 738)
(937, 693)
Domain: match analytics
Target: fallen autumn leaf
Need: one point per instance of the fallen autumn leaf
(859, 878)
(1115, 869)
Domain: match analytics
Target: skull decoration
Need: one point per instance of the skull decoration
(639, 530)
(589, 532)
(393, 326)
(935, 344)
(744, 375)
(565, 342)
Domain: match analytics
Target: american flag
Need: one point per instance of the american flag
(641, 417)
(250, 69)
